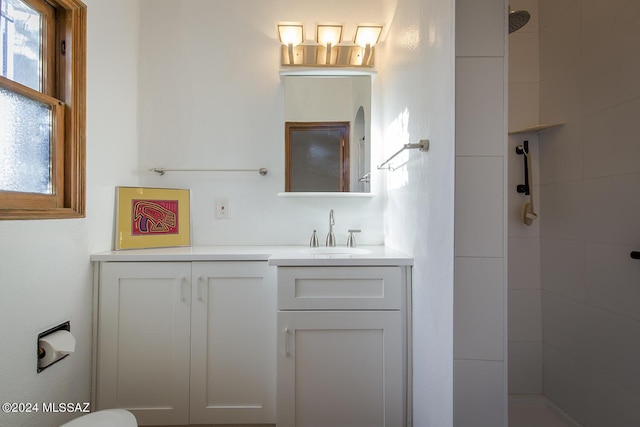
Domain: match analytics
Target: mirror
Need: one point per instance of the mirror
(327, 135)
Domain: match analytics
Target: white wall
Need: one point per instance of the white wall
(590, 176)
(45, 273)
(525, 294)
(480, 324)
(417, 101)
(212, 97)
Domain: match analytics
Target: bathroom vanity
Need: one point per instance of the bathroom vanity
(253, 335)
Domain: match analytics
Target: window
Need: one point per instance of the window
(42, 109)
(317, 156)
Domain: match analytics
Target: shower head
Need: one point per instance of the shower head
(518, 19)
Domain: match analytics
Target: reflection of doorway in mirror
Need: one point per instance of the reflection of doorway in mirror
(360, 176)
(317, 156)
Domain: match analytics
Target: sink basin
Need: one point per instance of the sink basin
(334, 251)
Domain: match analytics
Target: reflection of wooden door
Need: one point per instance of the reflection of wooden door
(317, 156)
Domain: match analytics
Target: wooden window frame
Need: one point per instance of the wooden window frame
(64, 90)
(344, 127)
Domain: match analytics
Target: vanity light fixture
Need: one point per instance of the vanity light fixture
(366, 37)
(328, 35)
(290, 35)
(328, 48)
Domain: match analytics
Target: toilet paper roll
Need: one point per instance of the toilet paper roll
(55, 346)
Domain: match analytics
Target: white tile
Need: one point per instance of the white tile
(524, 105)
(566, 382)
(524, 263)
(525, 367)
(611, 404)
(565, 210)
(610, 76)
(611, 141)
(565, 326)
(537, 411)
(614, 347)
(479, 394)
(560, 153)
(612, 209)
(561, 98)
(480, 28)
(479, 207)
(516, 227)
(608, 22)
(613, 278)
(525, 315)
(480, 107)
(551, 11)
(563, 268)
(478, 312)
(560, 43)
(524, 56)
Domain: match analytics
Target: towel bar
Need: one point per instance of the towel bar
(422, 145)
(161, 171)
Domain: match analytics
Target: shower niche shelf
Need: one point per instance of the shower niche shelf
(536, 129)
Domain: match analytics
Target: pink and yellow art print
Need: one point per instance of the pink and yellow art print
(151, 218)
(154, 217)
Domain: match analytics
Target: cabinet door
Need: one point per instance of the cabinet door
(233, 343)
(340, 369)
(143, 340)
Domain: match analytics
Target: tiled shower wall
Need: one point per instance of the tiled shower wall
(525, 323)
(479, 321)
(590, 185)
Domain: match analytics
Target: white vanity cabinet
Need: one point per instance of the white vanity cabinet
(342, 346)
(187, 342)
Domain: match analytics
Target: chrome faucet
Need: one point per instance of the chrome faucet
(331, 239)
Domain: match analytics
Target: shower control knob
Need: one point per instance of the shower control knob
(635, 255)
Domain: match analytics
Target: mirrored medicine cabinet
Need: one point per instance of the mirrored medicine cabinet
(327, 133)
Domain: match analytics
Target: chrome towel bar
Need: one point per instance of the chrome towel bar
(422, 145)
(161, 171)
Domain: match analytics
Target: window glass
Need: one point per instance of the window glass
(316, 160)
(25, 154)
(20, 28)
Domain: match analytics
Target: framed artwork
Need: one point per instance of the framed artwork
(152, 218)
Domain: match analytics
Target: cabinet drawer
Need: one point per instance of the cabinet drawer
(341, 288)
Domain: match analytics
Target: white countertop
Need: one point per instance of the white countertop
(276, 255)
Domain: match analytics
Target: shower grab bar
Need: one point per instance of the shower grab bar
(524, 149)
(161, 171)
(635, 254)
(422, 145)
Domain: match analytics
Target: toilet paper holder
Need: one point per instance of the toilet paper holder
(63, 343)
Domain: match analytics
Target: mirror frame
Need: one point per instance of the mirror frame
(346, 73)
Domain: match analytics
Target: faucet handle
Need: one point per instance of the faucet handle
(314, 240)
(351, 240)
